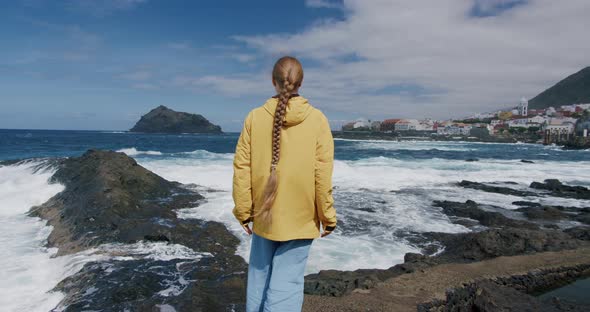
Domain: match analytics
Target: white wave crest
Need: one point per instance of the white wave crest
(132, 151)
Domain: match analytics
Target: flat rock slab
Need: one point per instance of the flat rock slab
(405, 292)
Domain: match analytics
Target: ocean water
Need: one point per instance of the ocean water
(383, 190)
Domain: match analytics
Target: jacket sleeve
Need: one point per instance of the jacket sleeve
(242, 182)
(323, 176)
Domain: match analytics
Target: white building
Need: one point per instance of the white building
(538, 120)
(518, 122)
(523, 107)
(407, 125)
(564, 128)
(375, 125)
(361, 123)
(561, 125)
(425, 125)
(454, 129)
(496, 122)
(569, 108)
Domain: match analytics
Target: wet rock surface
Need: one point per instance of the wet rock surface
(472, 210)
(338, 283)
(558, 189)
(512, 293)
(110, 199)
(487, 187)
(487, 244)
(536, 211)
(501, 236)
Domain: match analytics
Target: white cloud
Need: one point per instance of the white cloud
(465, 63)
(234, 86)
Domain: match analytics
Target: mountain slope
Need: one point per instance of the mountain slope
(571, 90)
(164, 120)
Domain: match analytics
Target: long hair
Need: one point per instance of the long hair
(287, 74)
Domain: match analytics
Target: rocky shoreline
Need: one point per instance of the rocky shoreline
(504, 234)
(373, 135)
(110, 200)
(114, 208)
(513, 292)
(462, 286)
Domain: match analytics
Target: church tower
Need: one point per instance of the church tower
(523, 107)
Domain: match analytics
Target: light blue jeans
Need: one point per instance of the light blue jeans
(275, 275)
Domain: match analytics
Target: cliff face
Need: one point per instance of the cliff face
(574, 89)
(164, 120)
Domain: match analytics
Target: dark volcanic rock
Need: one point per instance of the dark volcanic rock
(526, 204)
(164, 120)
(338, 283)
(477, 246)
(558, 189)
(495, 189)
(511, 293)
(536, 211)
(509, 237)
(109, 195)
(579, 232)
(470, 209)
(110, 199)
(543, 213)
(459, 248)
(485, 296)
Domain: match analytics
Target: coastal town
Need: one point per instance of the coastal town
(565, 125)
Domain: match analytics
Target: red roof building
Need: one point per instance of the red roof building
(389, 124)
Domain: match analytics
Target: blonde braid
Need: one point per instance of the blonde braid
(287, 75)
(270, 191)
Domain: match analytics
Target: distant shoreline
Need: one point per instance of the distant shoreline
(357, 135)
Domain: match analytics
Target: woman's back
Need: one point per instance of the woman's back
(306, 155)
(283, 183)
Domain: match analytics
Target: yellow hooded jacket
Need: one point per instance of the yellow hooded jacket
(304, 194)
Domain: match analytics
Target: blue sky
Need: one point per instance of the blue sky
(84, 64)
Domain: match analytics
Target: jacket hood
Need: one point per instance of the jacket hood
(297, 109)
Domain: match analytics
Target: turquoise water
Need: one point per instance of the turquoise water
(577, 292)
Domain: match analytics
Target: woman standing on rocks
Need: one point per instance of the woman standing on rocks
(282, 183)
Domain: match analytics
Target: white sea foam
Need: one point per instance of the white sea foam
(145, 250)
(405, 187)
(132, 151)
(28, 270)
(411, 145)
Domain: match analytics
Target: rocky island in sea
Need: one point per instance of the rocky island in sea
(165, 120)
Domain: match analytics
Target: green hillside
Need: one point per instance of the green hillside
(571, 90)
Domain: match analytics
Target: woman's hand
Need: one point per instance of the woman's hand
(328, 230)
(247, 228)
